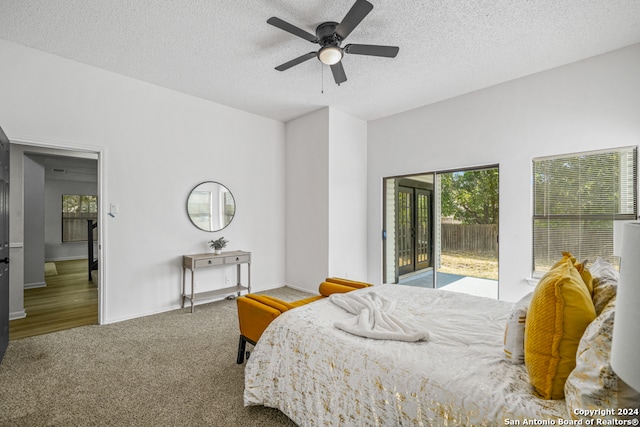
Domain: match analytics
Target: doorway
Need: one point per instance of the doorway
(61, 290)
(4, 243)
(67, 301)
(441, 230)
(413, 226)
(409, 227)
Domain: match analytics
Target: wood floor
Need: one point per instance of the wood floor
(69, 300)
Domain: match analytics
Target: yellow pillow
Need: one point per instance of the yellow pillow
(560, 311)
(585, 274)
(565, 257)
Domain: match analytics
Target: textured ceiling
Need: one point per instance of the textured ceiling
(67, 168)
(224, 51)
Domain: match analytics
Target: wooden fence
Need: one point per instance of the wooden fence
(470, 238)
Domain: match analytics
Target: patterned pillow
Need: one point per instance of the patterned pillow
(605, 283)
(593, 384)
(514, 331)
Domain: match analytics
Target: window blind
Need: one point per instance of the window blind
(76, 210)
(577, 198)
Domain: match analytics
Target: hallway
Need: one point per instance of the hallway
(69, 300)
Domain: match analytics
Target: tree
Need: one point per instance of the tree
(471, 196)
(584, 184)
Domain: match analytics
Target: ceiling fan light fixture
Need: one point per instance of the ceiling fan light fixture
(330, 55)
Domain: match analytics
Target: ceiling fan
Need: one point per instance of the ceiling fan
(329, 35)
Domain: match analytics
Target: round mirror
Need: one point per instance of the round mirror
(211, 206)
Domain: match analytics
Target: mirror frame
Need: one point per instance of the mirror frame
(224, 188)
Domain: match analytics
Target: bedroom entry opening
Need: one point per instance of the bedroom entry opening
(61, 286)
(440, 230)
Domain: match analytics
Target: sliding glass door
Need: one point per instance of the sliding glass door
(441, 230)
(468, 229)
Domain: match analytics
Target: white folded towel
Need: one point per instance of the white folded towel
(374, 318)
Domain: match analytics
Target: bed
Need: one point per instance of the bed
(320, 375)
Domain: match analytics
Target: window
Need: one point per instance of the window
(577, 200)
(76, 210)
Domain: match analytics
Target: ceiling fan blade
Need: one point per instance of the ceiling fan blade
(338, 73)
(296, 61)
(356, 14)
(277, 22)
(372, 49)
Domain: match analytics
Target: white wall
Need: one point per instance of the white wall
(33, 224)
(16, 234)
(307, 209)
(592, 104)
(348, 196)
(326, 198)
(157, 144)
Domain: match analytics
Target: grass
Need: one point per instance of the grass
(473, 265)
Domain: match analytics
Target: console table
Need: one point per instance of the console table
(193, 262)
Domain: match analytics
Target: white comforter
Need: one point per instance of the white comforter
(319, 375)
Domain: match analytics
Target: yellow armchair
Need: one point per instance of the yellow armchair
(256, 312)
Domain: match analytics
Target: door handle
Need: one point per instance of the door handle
(5, 260)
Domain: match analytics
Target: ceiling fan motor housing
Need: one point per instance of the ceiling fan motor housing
(326, 33)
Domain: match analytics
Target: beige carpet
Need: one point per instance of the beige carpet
(50, 269)
(169, 369)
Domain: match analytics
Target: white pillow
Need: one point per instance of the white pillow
(605, 283)
(514, 331)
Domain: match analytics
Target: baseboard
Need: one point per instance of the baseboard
(532, 281)
(71, 258)
(297, 288)
(186, 308)
(17, 315)
(35, 285)
(147, 313)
